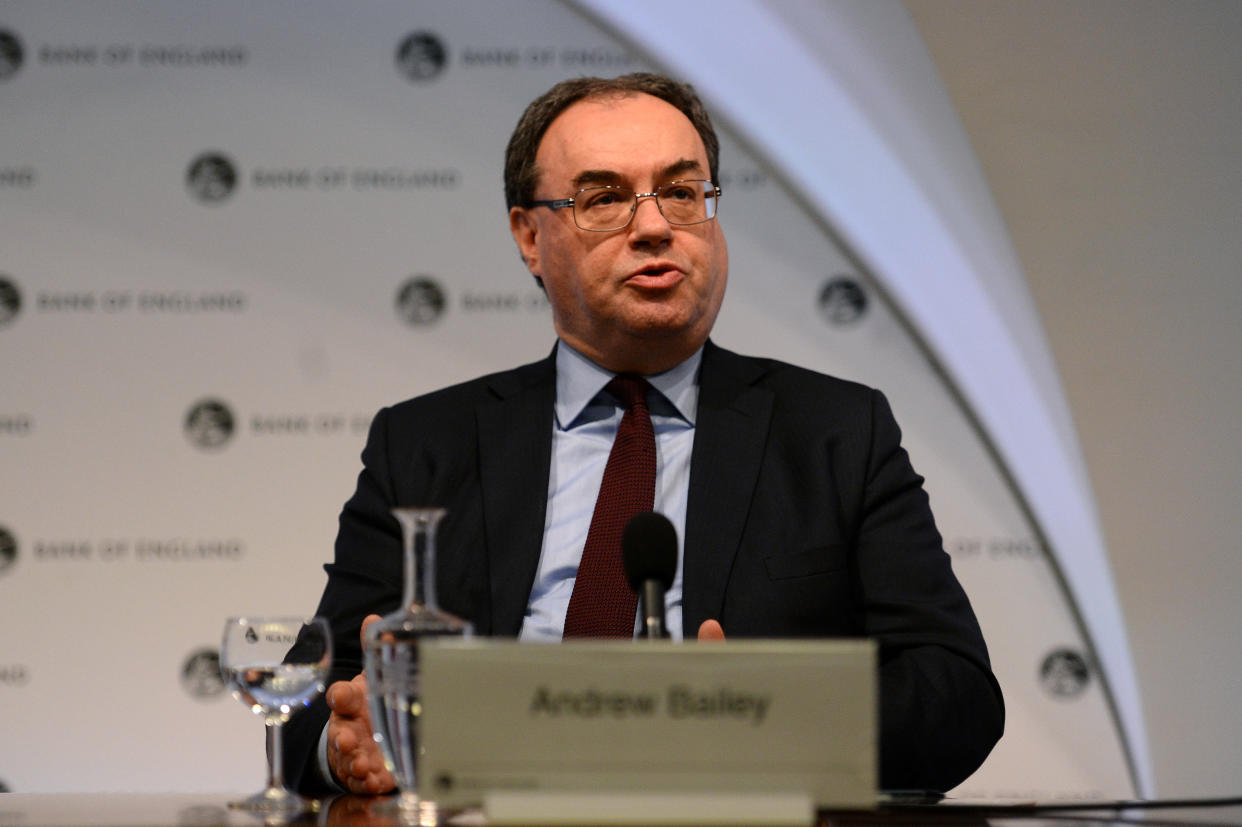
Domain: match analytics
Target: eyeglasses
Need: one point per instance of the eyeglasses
(603, 209)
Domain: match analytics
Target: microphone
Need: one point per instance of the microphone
(649, 550)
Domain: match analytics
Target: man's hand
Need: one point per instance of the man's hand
(353, 755)
(710, 630)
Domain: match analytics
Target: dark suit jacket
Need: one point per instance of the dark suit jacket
(804, 519)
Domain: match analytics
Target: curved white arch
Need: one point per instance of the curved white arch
(873, 119)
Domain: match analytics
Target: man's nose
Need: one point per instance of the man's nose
(648, 222)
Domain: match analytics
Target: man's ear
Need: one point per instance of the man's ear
(525, 234)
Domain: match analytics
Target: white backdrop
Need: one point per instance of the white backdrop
(228, 234)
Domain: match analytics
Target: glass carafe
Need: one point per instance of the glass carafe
(390, 652)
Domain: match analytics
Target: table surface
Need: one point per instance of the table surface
(206, 810)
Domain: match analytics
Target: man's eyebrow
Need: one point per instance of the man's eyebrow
(610, 178)
(597, 178)
(680, 168)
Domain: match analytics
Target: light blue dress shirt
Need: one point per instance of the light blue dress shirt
(587, 419)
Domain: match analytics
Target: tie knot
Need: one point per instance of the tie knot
(629, 388)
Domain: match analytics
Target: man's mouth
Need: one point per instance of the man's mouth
(658, 276)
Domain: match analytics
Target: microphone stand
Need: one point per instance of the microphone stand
(652, 597)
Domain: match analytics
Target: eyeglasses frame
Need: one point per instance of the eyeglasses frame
(562, 203)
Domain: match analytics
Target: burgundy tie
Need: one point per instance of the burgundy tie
(603, 604)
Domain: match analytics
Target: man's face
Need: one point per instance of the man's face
(642, 298)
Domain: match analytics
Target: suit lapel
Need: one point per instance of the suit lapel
(515, 448)
(730, 435)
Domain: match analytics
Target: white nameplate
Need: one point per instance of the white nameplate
(792, 721)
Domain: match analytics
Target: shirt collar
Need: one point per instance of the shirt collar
(579, 381)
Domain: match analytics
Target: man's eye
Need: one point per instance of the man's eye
(602, 199)
(678, 193)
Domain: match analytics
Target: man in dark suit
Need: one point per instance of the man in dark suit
(800, 512)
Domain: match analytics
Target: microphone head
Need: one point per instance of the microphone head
(649, 550)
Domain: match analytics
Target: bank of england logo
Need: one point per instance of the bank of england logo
(10, 300)
(11, 54)
(211, 178)
(421, 56)
(8, 550)
(1064, 673)
(842, 300)
(209, 424)
(420, 301)
(200, 674)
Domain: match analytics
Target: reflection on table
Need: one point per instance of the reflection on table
(211, 810)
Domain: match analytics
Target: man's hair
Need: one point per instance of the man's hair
(521, 174)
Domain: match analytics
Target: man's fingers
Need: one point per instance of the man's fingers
(380, 782)
(344, 740)
(367, 621)
(356, 760)
(360, 767)
(352, 752)
(347, 698)
(353, 755)
(711, 630)
(363, 764)
(372, 783)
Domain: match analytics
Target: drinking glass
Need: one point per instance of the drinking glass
(391, 660)
(276, 666)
